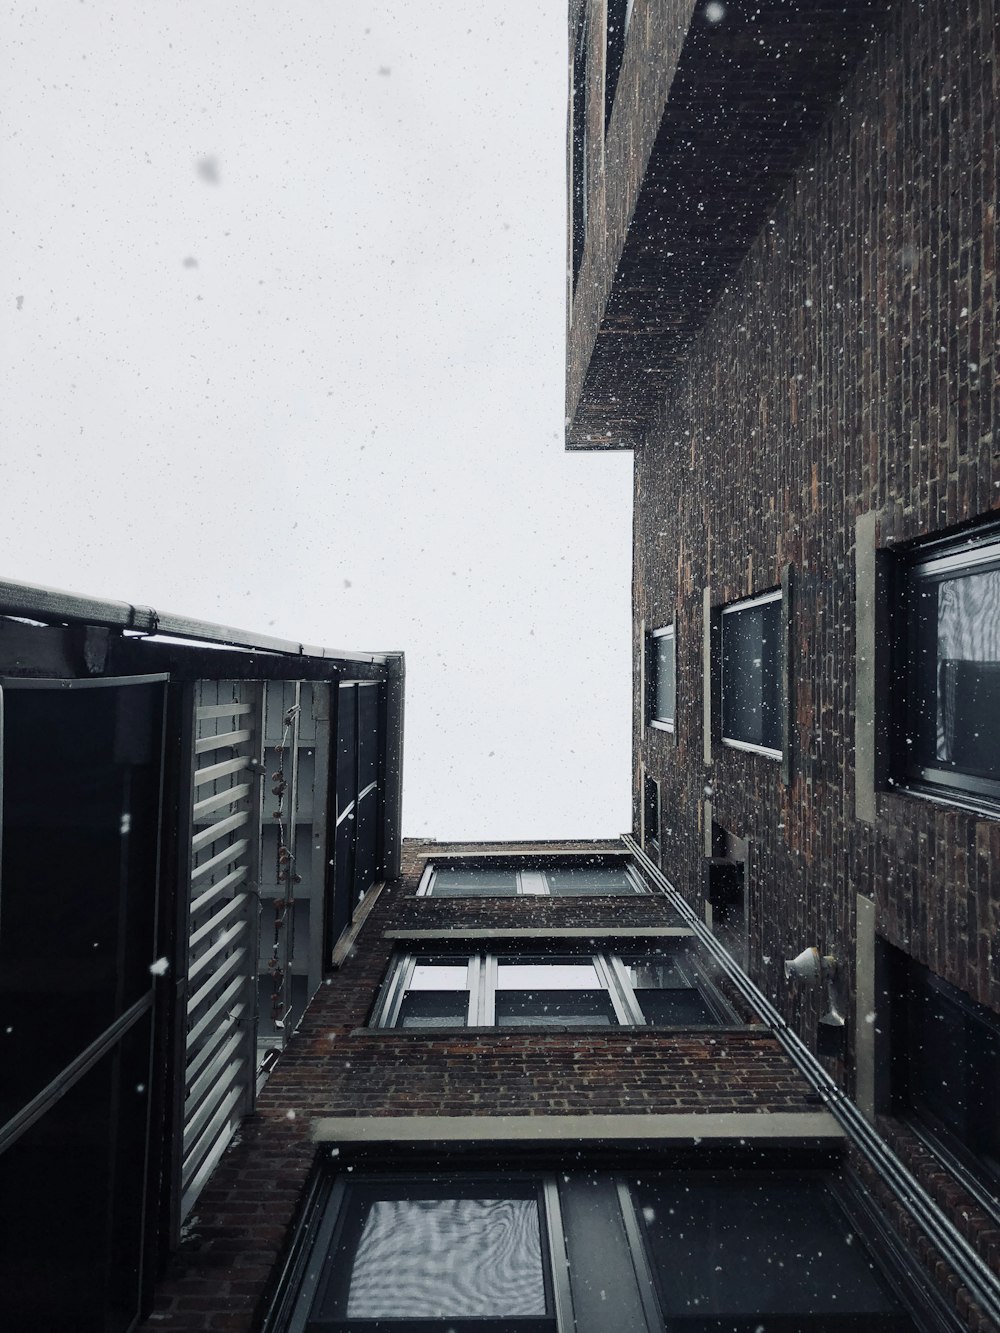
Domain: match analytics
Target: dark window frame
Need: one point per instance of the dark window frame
(619, 15)
(652, 816)
(731, 609)
(356, 807)
(535, 867)
(611, 1243)
(578, 148)
(666, 633)
(910, 984)
(912, 712)
(611, 969)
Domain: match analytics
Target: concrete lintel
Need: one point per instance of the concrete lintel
(680, 1128)
(623, 932)
(512, 852)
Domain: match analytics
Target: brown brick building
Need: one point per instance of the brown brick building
(782, 297)
(478, 1049)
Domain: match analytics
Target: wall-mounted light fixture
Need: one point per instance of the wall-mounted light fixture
(813, 969)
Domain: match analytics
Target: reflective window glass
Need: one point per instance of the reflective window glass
(570, 881)
(453, 1256)
(466, 882)
(751, 675)
(436, 974)
(759, 1249)
(664, 697)
(951, 734)
(547, 974)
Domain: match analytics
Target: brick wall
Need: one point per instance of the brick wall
(226, 1268)
(850, 367)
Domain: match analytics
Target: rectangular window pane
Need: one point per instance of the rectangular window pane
(666, 988)
(549, 1008)
(568, 882)
(439, 974)
(548, 974)
(676, 1008)
(665, 697)
(460, 882)
(968, 676)
(437, 1258)
(433, 1009)
(770, 1248)
(659, 971)
(954, 1068)
(751, 675)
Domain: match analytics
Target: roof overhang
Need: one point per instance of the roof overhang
(749, 93)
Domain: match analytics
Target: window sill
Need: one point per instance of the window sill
(765, 750)
(661, 725)
(630, 1030)
(975, 1183)
(978, 807)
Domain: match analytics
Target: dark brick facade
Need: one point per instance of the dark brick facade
(850, 368)
(840, 376)
(845, 369)
(225, 1271)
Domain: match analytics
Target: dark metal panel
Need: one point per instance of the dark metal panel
(391, 783)
(187, 662)
(50, 604)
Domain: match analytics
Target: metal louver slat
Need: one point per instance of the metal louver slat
(206, 1115)
(226, 941)
(206, 711)
(217, 830)
(226, 740)
(224, 1003)
(232, 964)
(224, 915)
(213, 1144)
(216, 1035)
(228, 797)
(211, 1076)
(213, 772)
(224, 858)
(216, 890)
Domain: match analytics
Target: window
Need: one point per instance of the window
(948, 732)
(651, 816)
(946, 1066)
(662, 678)
(619, 14)
(458, 1253)
(752, 702)
(541, 1253)
(664, 987)
(568, 880)
(578, 184)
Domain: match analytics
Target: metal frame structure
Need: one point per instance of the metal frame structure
(237, 704)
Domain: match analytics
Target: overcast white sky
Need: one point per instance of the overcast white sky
(282, 337)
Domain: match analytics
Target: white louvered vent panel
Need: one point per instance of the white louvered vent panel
(222, 936)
